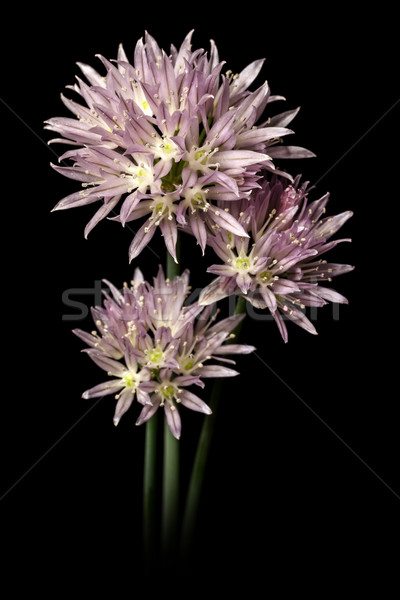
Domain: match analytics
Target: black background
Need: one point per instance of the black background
(303, 479)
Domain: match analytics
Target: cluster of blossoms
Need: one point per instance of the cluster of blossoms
(170, 138)
(174, 141)
(278, 265)
(153, 347)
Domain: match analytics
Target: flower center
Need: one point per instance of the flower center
(242, 263)
(169, 148)
(168, 391)
(129, 380)
(138, 177)
(265, 276)
(156, 356)
(161, 209)
(199, 158)
(198, 199)
(165, 149)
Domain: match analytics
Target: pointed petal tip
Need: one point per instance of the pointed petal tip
(116, 421)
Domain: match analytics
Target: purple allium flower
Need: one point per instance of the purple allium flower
(154, 348)
(279, 266)
(169, 137)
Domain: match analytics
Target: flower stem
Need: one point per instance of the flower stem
(170, 493)
(170, 505)
(150, 491)
(198, 472)
(202, 453)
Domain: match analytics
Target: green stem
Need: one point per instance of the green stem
(170, 505)
(150, 491)
(173, 268)
(198, 472)
(170, 494)
(202, 453)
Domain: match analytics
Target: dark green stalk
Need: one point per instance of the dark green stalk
(202, 453)
(150, 491)
(170, 494)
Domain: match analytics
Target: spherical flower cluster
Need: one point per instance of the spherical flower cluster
(169, 138)
(278, 266)
(153, 347)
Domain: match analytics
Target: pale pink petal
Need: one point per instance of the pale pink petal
(227, 221)
(108, 364)
(234, 349)
(103, 389)
(141, 239)
(194, 402)
(212, 293)
(124, 402)
(102, 212)
(331, 295)
(217, 371)
(148, 411)
(173, 420)
(289, 152)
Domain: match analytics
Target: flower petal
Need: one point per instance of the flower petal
(128, 206)
(173, 419)
(331, 295)
(103, 389)
(199, 230)
(284, 118)
(108, 364)
(124, 402)
(281, 325)
(141, 239)
(289, 152)
(229, 159)
(252, 137)
(194, 402)
(148, 411)
(102, 212)
(143, 397)
(170, 234)
(246, 77)
(300, 319)
(88, 338)
(212, 293)
(217, 371)
(234, 349)
(225, 270)
(226, 221)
